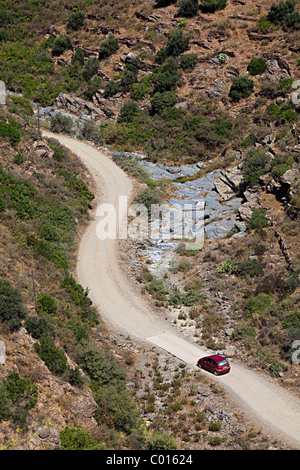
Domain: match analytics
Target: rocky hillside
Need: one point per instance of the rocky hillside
(211, 84)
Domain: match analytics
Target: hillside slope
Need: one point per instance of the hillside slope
(214, 88)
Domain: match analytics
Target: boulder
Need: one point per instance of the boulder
(77, 105)
(290, 176)
(42, 149)
(2, 353)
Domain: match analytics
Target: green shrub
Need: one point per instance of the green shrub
(164, 80)
(257, 304)
(90, 68)
(258, 219)
(223, 128)
(284, 13)
(257, 66)
(140, 89)
(38, 327)
(101, 366)
(157, 288)
(292, 283)
(76, 20)
(61, 44)
(116, 409)
(161, 442)
(215, 441)
(12, 308)
(111, 89)
(18, 159)
(255, 165)
(187, 8)
(11, 131)
(178, 42)
(91, 131)
(17, 397)
(108, 47)
(188, 61)
(18, 192)
(77, 439)
(242, 87)
(61, 124)
(46, 304)
(210, 6)
(241, 332)
(249, 267)
(128, 111)
(53, 357)
(92, 87)
(214, 426)
(149, 197)
(292, 320)
(264, 25)
(161, 101)
(75, 378)
(6, 17)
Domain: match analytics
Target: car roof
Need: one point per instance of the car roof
(216, 357)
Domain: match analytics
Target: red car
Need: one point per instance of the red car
(216, 364)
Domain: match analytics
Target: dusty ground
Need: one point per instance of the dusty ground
(126, 311)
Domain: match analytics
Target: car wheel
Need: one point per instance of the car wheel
(215, 372)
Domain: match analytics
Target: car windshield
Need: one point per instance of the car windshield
(222, 363)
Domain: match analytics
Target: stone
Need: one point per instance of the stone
(2, 353)
(290, 176)
(229, 331)
(42, 149)
(223, 189)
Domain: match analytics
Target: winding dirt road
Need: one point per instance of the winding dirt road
(124, 310)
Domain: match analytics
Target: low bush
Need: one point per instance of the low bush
(161, 101)
(53, 357)
(61, 124)
(61, 44)
(108, 47)
(76, 20)
(188, 61)
(255, 165)
(77, 439)
(242, 87)
(292, 283)
(116, 409)
(284, 13)
(178, 42)
(17, 396)
(140, 89)
(210, 6)
(258, 219)
(157, 288)
(12, 308)
(187, 8)
(11, 131)
(292, 321)
(249, 267)
(38, 327)
(257, 66)
(161, 442)
(46, 304)
(128, 111)
(101, 366)
(90, 68)
(241, 332)
(257, 305)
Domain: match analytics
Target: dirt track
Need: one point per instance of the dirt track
(125, 310)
